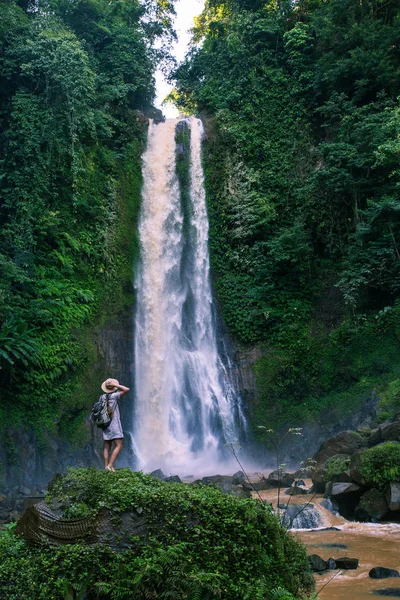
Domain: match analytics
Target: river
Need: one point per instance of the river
(374, 544)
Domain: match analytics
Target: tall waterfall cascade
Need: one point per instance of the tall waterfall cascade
(186, 405)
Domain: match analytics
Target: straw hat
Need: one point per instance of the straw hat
(110, 385)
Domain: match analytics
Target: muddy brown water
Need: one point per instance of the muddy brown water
(375, 545)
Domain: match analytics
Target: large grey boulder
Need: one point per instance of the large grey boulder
(385, 433)
(318, 563)
(238, 478)
(347, 496)
(393, 495)
(301, 516)
(342, 489)
(391, 432)
(330, 505)
(345, 442)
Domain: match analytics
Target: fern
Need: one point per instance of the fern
(280, 594)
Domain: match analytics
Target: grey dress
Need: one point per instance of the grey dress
(114, 430)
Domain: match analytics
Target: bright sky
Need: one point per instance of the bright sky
(186, 10)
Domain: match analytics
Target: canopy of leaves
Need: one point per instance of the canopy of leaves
(74, 76)
(300, 101)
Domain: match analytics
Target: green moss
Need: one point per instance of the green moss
(182, 140)
(309, 375)
(225, 546)
(335, 466)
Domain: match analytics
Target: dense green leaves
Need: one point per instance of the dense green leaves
(301, 110)
(381, 465)
(73, 78)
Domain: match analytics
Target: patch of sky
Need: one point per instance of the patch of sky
(186, 10)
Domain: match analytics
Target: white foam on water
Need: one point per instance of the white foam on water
(186, 406)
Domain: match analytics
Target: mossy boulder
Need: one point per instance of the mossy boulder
(196, 540)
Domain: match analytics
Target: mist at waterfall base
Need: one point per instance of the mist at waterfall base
(187, 408)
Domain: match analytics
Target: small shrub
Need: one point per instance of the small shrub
(335, 466)
(381, 464)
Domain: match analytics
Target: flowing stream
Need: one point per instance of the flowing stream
(186, 406)
(374, 544)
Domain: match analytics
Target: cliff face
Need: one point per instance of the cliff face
(295, 448)
(32, 463)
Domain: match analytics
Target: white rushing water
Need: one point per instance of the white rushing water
(186, 407)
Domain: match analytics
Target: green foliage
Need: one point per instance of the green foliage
(302, 178)
(200, 544)
(335, 466)
(381, 464)
(73, 78)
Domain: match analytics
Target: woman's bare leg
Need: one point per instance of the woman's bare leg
(106, 451)
(115, 452)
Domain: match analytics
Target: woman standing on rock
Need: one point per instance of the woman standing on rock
(113, 433)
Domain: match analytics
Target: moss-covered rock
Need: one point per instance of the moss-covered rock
(197, 539)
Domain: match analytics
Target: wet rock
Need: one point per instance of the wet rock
(238, 477)
(279, 478)
(345, 442)
(261, 484)
(173, 479)
(343, 477)
(330, 505)
(372, 506)
(317, 563)
(392, 592)
(383, 573)
(301, 516)
(226, 485)
(393, 496)
(299, 482)
(355, 470)
(158, 474)
(391, 432)
(347, 496)
(375, 437)
(295, 491)
(323, 529)
(332, 564)
(155, 114)
(346, 563)
(307, 473)
(318, 479)
(341, 489)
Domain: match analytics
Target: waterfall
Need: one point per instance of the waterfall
(186, 406)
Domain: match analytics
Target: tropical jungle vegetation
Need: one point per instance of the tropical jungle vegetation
(199, 543)
(75, 79)
(300, 101)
